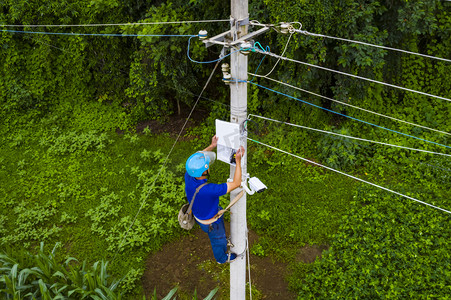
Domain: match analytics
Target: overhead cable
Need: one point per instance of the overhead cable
(353, 177)
(275, 65)
(340, 114)
(97, 34)
(347, 136)
(117, 24)
(166, 160)
(351, 75)
(353, 106)
(368, 44)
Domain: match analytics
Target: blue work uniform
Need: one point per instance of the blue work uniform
(206, 206)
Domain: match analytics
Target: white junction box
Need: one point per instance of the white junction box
(228, 141)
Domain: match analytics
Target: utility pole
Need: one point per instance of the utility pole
(238, 38)
(238, 113)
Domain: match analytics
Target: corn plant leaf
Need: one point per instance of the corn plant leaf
(211, 294)
(170, 294)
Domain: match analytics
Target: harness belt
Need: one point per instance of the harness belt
(222, 211)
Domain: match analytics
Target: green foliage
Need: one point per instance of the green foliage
(30, 224)
(72, 142)
(385, 247)
(131, 280)
(340, 153)
(83, 188)
(42, 276)
(67, 176)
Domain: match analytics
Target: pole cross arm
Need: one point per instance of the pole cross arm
(249, 36)
(225, 38)
(218, 39)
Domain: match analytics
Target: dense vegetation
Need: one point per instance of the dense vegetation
(75, 171)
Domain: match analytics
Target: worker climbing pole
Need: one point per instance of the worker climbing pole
(204, 198)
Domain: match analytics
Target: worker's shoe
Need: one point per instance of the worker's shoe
(232, 257)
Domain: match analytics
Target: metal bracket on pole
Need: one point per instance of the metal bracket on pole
(242, 22)
(218, 39)
(249, 36)
(225, 38)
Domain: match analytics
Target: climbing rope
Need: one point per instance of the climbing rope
(248, 263)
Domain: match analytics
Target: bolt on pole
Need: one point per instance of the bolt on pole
(238, 99)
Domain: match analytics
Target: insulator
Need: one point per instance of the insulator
(226, 77)
(246, 48)
(284, 28)
(203, 34)
(225, 67)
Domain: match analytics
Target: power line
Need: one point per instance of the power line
(97, 34)
(356, 107)
(353, 177)
(347, 136)
(368, 44)
(166, 159)
(275, 65)
(116, 24)
(351, 75)
(340, 114)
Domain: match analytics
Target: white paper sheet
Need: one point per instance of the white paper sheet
(228, 140)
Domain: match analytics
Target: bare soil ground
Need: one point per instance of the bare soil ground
(189, 264)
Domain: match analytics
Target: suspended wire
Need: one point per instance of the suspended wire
(205, 62)
(275, 65)
(118, 24)
(429, 165)
(248, 262)
(351, 75)
(166, 160)
(40, 42)
(97, 34)
(347, 136)
(291, 30)
(261, 61)
(356, 107)
(368, 44)
(353, 177)
(340, 114)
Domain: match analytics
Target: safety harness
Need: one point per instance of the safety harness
(222, 211)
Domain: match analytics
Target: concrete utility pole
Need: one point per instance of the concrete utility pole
(238, 112)
(234, 39)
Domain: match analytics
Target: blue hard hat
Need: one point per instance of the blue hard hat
(198, 163)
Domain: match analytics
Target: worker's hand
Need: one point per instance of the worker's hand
(214, 142)
(239, 154)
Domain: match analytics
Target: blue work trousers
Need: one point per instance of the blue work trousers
(216, 233)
